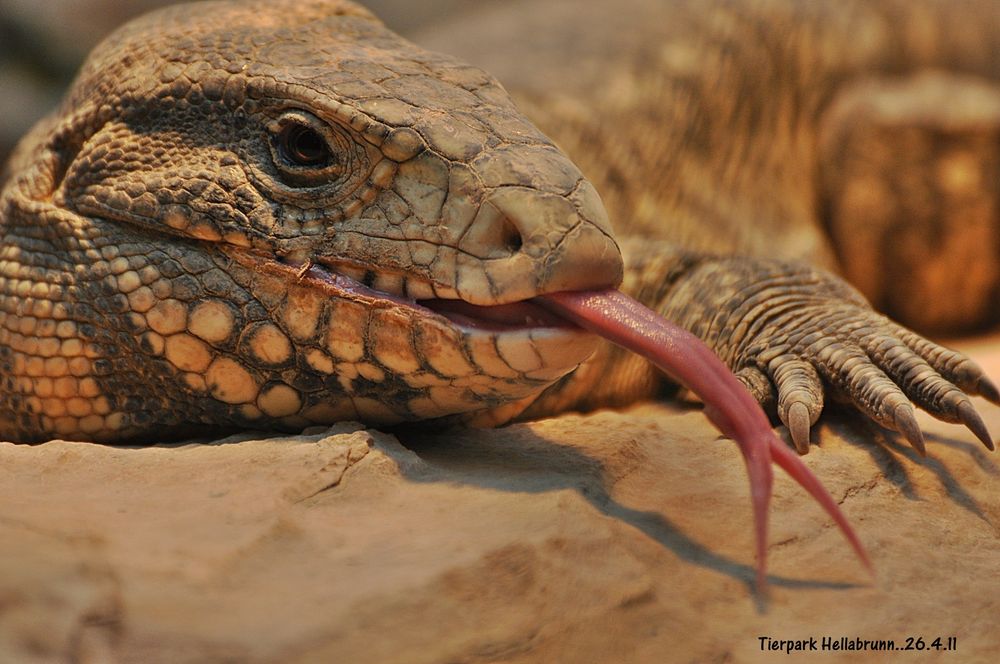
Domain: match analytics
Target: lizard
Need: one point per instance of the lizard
(281, 214)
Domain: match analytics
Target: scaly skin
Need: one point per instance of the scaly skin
(166, 265)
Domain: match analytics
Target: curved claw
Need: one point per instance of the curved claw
(971, 419)
(798, 425)
(987, 390)
(905, 422)
(680, 354)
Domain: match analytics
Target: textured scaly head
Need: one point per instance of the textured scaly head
(296, 216)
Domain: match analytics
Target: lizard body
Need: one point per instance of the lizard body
(276, 214)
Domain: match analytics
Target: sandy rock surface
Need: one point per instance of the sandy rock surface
(609, 537)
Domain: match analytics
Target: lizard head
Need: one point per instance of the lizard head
(308, 218)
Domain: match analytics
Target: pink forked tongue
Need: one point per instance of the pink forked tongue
(624, 321)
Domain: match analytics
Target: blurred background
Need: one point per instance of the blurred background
(43, 42)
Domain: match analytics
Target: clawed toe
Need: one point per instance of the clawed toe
(800, 397)
(972, 420)
(884, 370)
(986, 389)
(798, 424)
(905, 422)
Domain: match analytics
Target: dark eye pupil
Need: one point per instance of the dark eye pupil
(303, 146)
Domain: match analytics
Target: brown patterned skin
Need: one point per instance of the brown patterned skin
(168, 265)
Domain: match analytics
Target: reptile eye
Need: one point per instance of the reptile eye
(308, 152)
(300, 145)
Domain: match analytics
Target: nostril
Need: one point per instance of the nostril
(494, 234)
(510, 236)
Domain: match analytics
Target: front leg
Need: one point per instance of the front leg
(792, 334)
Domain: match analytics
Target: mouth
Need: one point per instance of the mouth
(334, 280)
(497, 318)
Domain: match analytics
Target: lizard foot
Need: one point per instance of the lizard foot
(800, 333)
